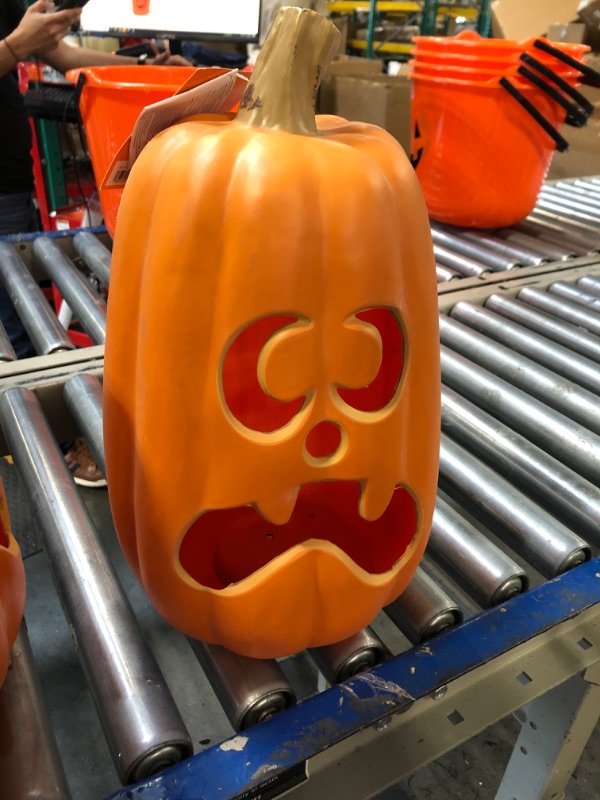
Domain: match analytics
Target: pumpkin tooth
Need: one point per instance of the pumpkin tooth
(375, 498)
(278, 509)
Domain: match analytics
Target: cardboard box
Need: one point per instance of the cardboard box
(566, 32)
(383, 100)
(341, 22)
(519, 19)
(343, 65)
(354, 65)
(589, 14)
(583, 156)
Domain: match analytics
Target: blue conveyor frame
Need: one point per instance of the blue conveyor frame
(274, 757)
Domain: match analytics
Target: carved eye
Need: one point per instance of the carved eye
(245, 397)
(382, 390)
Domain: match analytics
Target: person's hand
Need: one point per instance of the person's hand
(167, 59)
(41, 28)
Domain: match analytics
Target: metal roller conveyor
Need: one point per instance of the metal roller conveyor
(564, 309)
(570, 210)
(535, 244)
(591, 283)
(424, 609)
(250, 690)
(83, 395)
(572, 498)
(567, 198)
(543, 351)
(571, 400)
(572, 224)
(96, 255)
(527, 528)
(45, 331)
(589, 187)
(142, 725)
(566, 440)
(575, 189)
(484, 571)
(526, 255)
(578, 242)
(88, 307)
(340, 661)
(445, 273)
(463, 247)
(564, 333)
(30, 763)
(578, 295)
(465, 266)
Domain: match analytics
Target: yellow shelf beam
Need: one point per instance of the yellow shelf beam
(387, 6)
(346, 6)
(387, 47)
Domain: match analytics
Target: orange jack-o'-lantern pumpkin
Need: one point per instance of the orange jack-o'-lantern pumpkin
(271, 384)
(12, 587)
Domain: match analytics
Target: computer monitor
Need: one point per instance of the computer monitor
(212, 20)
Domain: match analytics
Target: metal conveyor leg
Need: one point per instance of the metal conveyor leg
(556, 730)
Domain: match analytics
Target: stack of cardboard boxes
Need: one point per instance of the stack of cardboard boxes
(358, 88)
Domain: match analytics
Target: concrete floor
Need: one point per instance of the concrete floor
(471, 772)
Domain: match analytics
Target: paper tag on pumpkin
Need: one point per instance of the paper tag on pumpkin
(208, 91)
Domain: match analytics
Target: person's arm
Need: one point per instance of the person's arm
(63, 57)
(41, 33)
(37, 32)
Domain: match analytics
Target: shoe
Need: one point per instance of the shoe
(82, 466)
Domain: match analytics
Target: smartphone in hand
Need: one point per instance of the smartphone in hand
(63, 5)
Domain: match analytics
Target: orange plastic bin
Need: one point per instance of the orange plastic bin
(482, 158)
(112, 99)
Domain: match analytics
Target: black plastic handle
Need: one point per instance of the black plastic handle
(565, 87)
(577, 117)
(561, 144)
(590, 76)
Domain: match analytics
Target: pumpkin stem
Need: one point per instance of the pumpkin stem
(283, 88)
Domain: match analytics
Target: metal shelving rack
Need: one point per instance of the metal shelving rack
(426, 11)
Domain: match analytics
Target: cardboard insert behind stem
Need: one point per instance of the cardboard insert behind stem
(210, 90)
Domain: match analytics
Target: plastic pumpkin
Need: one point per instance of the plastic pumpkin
(271, 383)
(12, 587)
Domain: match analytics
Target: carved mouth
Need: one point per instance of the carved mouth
(224, 546)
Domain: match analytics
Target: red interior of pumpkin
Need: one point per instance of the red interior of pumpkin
(225, 546)
(256, 410)
(4, 540)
